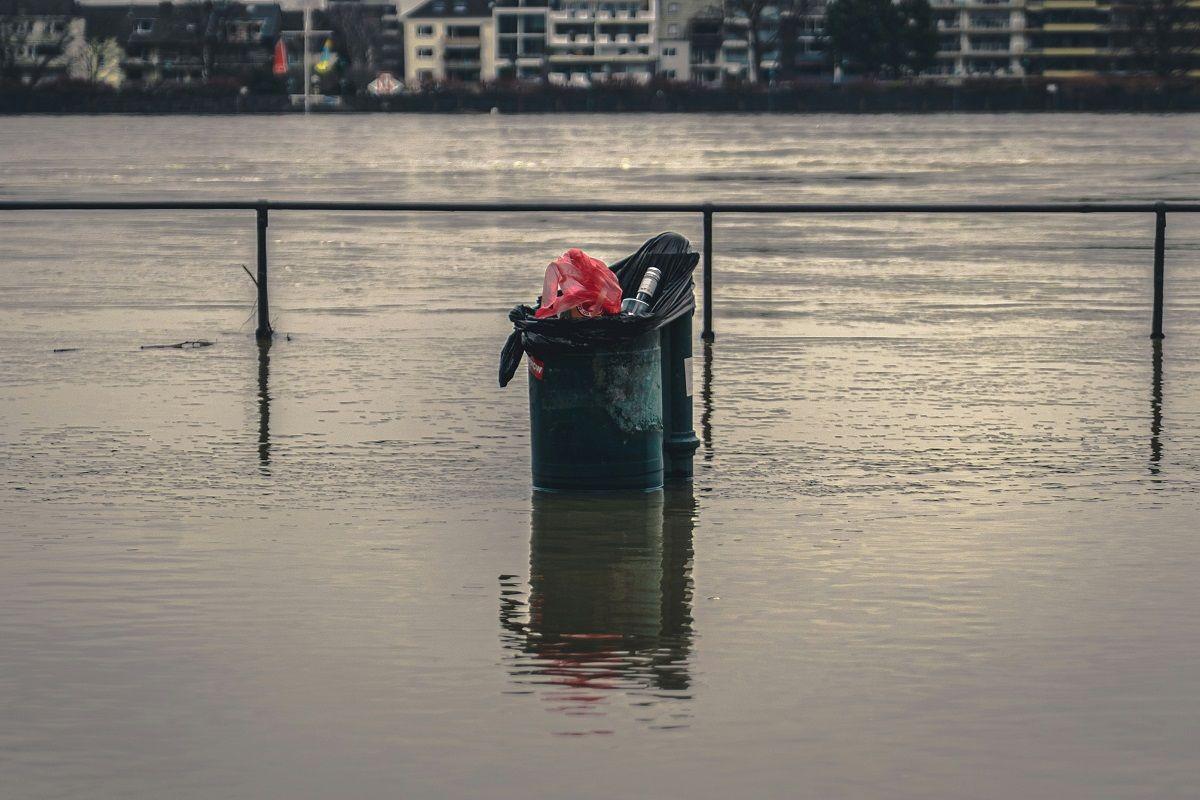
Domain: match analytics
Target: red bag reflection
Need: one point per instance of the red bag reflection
(576, 281)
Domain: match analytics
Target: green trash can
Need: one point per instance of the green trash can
(596, 418)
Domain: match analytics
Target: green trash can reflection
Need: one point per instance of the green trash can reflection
(607, 610)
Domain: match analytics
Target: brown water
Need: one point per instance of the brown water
(942, 540)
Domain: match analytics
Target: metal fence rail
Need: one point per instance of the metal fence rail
(262, 209)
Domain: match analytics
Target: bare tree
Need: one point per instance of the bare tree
(753, 12)
(96, 60)
(358, 30)
(1162, 35)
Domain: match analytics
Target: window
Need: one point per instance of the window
(672, 8)
(425, 31)
(668, 51)
(424, 52)
(535, 23)
(507, 23)
(672, 29)
(669, 74)
(144, 26)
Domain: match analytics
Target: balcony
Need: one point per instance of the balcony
(1071, 51)
(1071, 27)
(989, 25)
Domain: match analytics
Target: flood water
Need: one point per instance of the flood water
(942, 540)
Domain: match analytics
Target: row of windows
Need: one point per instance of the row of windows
(529, 23)
(40, 50)
(25, 26)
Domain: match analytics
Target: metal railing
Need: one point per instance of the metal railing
(708, 210)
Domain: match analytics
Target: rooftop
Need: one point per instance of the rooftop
(441, 9)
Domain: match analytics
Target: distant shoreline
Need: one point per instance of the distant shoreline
(1029, 95)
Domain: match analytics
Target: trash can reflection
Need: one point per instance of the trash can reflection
(607, 610)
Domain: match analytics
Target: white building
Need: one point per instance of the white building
(450, 40)
(520, 39)
(598, 40)
(980, 37)
(674, 45)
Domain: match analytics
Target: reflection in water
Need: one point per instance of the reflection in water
(608, 611)
(1156, 403)
(706, 402)
(264, 405)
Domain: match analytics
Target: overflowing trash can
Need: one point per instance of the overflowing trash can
(609, 361)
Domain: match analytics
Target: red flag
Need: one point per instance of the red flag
(280, 67)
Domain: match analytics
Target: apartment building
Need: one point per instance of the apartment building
(802, 51)
(718, 49)
(1070, 37)
(520, 39)
(674, 44)
(981, 37)
(39, 39)
(588, 41)
(450, 40)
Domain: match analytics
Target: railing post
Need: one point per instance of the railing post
(707, 333)
(263, 332)
(1160, 257)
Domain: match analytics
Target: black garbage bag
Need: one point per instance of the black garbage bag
(670, 252)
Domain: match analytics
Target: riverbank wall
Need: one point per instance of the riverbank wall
(1030, 95)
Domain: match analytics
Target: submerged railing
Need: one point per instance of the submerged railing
(262, 209)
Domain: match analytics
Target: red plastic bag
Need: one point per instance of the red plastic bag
(577, 281)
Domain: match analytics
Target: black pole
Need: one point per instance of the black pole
(264, 404)
(1156, 406)
(707, 334)
(1160, 253)
(264, 309)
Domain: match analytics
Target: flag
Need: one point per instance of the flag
(280, 67)
(328, 59)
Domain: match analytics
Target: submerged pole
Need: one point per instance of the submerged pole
(707, 333)
(1160, 257)
(263, 332)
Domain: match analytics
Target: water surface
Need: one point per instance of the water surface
(941, 540)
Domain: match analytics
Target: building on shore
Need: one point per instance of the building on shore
(39, 40)
(450, 40)
(591, 41)
(185, 43)
(565, 42)
(674, 42)
(521, 40)
(980, 38)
